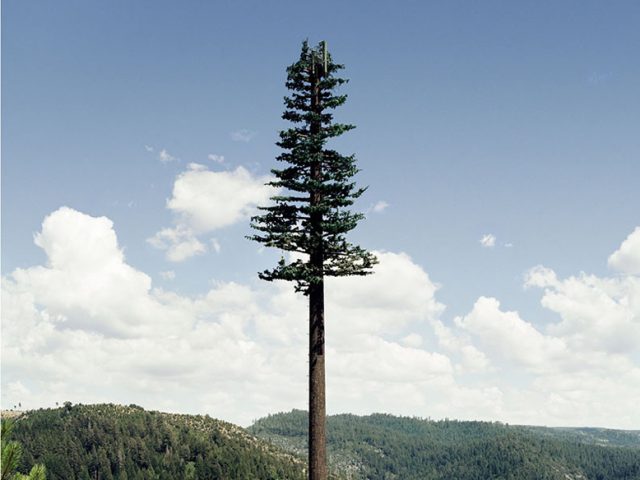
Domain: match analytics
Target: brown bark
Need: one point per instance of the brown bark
(317, 412)
(317, 409)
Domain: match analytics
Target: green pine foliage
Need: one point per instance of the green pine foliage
(312, 216)
(12, 456)
(388, 447)
(111, 442)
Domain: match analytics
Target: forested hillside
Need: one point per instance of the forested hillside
(387, 447)
(111, 442)
(116, 442)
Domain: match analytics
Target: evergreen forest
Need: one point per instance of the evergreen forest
(381, 447)
(113, 442)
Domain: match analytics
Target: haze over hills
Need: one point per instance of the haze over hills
(126, 442)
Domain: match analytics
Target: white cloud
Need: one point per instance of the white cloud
(488, 240)
(86, 283)
(87, 327)
(165, 157)
(215, 245)
(627, 258)
(216, 158)
(469, 358)
(557, 382)
(579, 368)
(412, 340)
(187, 248)
(148, 148)
(242, 135)
(179, 242)
(380, 206)
(15, 391)
(596, 313)
(506, 334)
(540, 276)
(383, 361)
(203, 201)
(167, 237)
(398, 293)
(206, 200)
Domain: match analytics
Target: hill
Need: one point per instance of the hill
(388, 447)
(112, 442)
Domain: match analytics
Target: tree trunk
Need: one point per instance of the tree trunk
(317, 409)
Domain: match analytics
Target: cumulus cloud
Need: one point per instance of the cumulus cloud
(545, 377)
(579, 367)
(469, 359)
(87, 327)
(379, 360)
(506, 334)
(207, 200)
(627, 258)
(399, 292)
(216, 158)
(204, 200)
(86, 283)
(179, 242)
(488, 240)
(595, 313)
(413, 340)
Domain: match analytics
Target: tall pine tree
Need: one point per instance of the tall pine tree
(311, 217)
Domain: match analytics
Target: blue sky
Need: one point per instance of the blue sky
(511, 119)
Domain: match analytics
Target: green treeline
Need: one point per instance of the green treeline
(110, 442)
(387, 447)
(115, 442)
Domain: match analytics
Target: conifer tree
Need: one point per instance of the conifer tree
(11, 456)
(311, 218)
